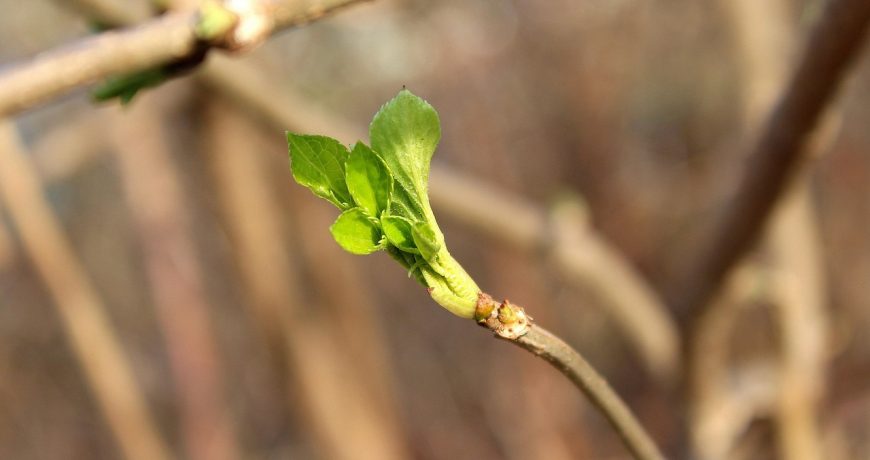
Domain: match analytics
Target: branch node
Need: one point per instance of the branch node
(506, 320)
(255, 24)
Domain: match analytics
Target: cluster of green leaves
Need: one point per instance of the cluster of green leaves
(382, 192)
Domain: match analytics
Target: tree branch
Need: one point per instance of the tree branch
(569, 362)
(779, 153)
(56, 72)
(160, 41)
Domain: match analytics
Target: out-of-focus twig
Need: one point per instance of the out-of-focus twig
(799, 301)
(159, 41)
(762, 34)
(344, 417)
(6, 247)
(722, 400)
(156, 199)
(778, 155)
(55, 72)
(83, 314)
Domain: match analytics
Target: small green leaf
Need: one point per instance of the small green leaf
(368, 180)
(356, 232)
(399, 234)
(125, 87)
(317, 162)
(405, 132)
(425, 240)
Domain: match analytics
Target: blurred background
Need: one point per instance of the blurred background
(167, 290)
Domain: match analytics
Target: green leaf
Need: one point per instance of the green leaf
(426, 240)
(405, 132)
(125, 87)
(399, 234)
(368, 180)
(356, 232)
(317, 162)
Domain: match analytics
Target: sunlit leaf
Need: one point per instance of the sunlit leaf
(318, 162)
(356, 233)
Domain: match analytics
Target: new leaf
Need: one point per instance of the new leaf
(405, 133)
(317, 162)
(356, 233)
(368, 180)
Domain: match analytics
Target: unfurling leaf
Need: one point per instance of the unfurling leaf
(399, 234)
(405, 133)
(368, 180)
(317, 162)
(383, 191)
(426, 240)
(355, 232)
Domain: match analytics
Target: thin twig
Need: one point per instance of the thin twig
(799, 302)
(83, 314)
(568, 361)
(779, 153)
(762, 33)
(157, 42)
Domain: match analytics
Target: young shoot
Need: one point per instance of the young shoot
(382, 191)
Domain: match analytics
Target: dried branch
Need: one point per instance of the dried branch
(56, 72)
(82, 312)
(167, 39)
(779, 153)
(7, 249)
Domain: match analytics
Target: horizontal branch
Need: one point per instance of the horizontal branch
(56, 72)
(155, 43)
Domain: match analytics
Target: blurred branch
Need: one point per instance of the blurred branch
(110, 12)
(779, 154)
(82, 312)
(723, 402)
(55, 72)
(346, 420)
(798, 296)
(584, 258)
(167, 39)
(7, 248)
(156, 198)
(762, 33)
(547, 346)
